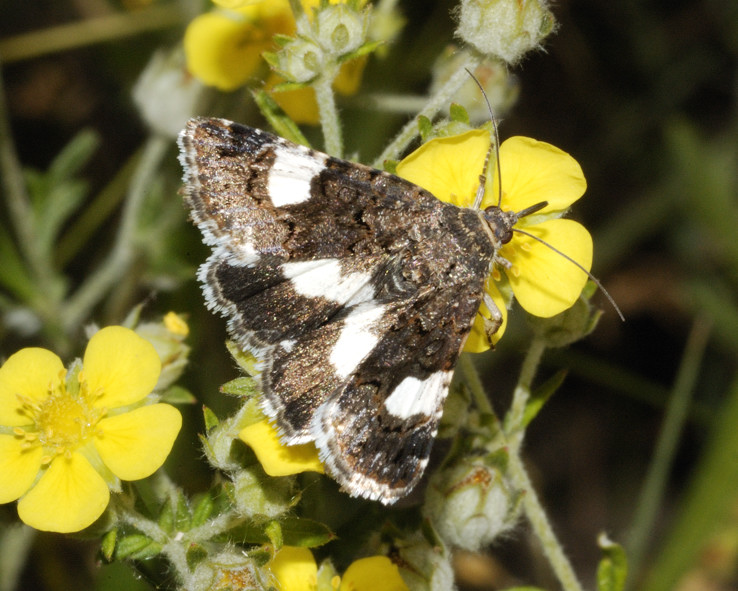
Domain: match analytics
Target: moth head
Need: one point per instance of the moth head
(501, 223)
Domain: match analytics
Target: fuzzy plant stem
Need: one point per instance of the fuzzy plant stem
(329, 114)
(541, 526)
(514, 418)
(121, 256)
(434, 104)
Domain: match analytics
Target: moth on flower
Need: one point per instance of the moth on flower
(357, 289)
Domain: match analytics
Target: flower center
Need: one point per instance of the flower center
(64, 421)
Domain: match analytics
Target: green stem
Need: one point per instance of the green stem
(471, 379)
(541, 526)
(651, 497)
(121, 256)
(329, 114)
(94, 30)
(434, 104)
(514, 417)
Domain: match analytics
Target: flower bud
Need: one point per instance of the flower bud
(425, 566)
(166, 94)
(300, 61)
(340, 29)
(257, 495)
(507, 29)
(471, 504)
(499, 85)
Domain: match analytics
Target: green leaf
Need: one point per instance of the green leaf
(273, 531)
(390, 166)
(425, 127)
(178, 395)
(183, 517)
(195, 555)
(278, 119)
(706, 504)
(107, 548)
(203, 509)
(613, 568)
(166, 517)
(459, 114)
(74, 155)
(295, 531)
(541, 395)
(244, 387)
(211, 419)
(13, 271)
(368, 47)
(137, 547)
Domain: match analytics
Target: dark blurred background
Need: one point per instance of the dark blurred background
(643, 94)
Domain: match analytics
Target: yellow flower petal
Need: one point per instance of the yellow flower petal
(300, 104)
(136, 443)
(477, 342)
(349, 76)
(543, 281)
(534, 171)
(376, 573)
(120, 364)
(295, 569)
(68, 498)
(278, 459)
(18, 467)
(29, 372)
(224, 49)
(448, 167)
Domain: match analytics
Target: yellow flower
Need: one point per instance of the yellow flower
(543, 281)
(295, 570)
(67, 438)
(278, 459)
(224, 47)
(376, 573)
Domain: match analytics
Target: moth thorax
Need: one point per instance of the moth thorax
(500, 223)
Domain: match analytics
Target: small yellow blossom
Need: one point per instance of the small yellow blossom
(278, 459)
(224, 47)
(295, 570)
(543, 281)
(376, 573)
(67, 438)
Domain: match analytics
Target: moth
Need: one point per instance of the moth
(354, 288)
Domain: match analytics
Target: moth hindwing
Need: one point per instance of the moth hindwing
(354, 288)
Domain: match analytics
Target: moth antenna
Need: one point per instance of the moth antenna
(495, 145)
(480, 194)
(576, 264)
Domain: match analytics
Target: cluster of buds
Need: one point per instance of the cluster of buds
(336, 33)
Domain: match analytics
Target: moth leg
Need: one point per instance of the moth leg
(491, 325)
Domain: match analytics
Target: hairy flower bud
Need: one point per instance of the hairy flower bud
(340, 29)
(507, 29)
(300, 60)
(471, 504)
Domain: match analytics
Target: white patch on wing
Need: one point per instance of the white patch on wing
(356, 339)
(323, 278)
(287, 344)
(290, 176)
(413, 396)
